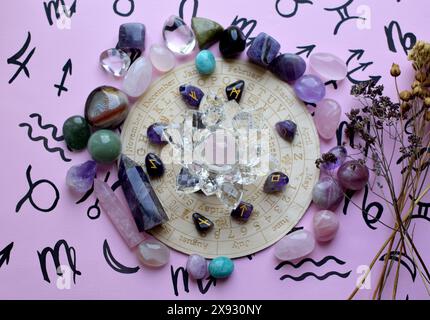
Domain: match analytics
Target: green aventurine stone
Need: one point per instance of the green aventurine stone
(221, 267)
(76, 132)
(104, 146)
(207, 32)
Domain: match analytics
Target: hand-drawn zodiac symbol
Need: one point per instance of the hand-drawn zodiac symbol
(22, 66)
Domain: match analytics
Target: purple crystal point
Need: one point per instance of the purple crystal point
(243, 211)
(340, 154)
(276, 182)
(288, 66)
(141, 197)
(286, 129)
(155, 133)
(263, 49)
(191, 95)
(80, 178)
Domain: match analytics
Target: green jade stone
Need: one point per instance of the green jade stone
(221, 267)
(207, 32)
(104, 146)
(76, 132)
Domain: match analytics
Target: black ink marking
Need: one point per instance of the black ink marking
(185, 280)
(295, 229)
(423, 211)
(47, 126)
(55, 253)
(123, 14)
(407, 40)
(55, 5)
(306, 50)
(182, 5)
(114, 264)
(5, 254)
(315, 263)
(344, 15)
(247, 27)
(294, 11)
(45, 142)
(331, 82)
(29, 195)
(309, 274)
(22, 66)
(405, 261)
(357, 55)
(67, 69)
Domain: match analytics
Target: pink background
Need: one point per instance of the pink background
(94, 28)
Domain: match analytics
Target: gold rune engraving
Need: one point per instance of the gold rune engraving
(243, 208)
(276, 177)
(193, 95)
(235, 91)
(204, 221)
(153, 165)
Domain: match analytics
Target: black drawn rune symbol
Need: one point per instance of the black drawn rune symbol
(22, 66)
(344, 15)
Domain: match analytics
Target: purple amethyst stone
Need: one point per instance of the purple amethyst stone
(286, 129)
(327, 194)
(288, 66)
(340, 154)
(191, 95)
(309, 88)
(80, 178)
(263, 49)
(276, 182)
(131, 36)
(243, 211)
(155, 133)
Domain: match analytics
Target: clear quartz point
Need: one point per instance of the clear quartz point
(221, 147)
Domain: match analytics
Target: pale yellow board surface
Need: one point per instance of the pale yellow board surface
(274, 215)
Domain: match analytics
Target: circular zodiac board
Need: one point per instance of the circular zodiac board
(274, 215)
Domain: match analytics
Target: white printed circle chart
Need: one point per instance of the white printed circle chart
(274, 215)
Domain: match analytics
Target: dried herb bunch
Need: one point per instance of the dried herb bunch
(384, 133)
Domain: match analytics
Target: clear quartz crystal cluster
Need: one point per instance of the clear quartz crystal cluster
(221, 148)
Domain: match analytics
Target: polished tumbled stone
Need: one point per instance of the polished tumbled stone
(178, 37)
(234, 90)
(327, 118)
(115, 62)
(263, 49)
(328, 66)
(161, 58)
(288, 66)
(76, 132)
(155, 133)
(197, 266)
(309, 88)
(221, 267)
(131, 35)
(141, 197)
(286, 129)
(207, 31)
(243, 211)
(106, 107)
(80, 177)
(104, 146)
(191, 95)
(154, 165)
(326, 224)
(153, 253)
(232, 42)
(295, 245)
(205, 62)
(201, 222)
(138, 77)
(327, 193)
(275, 182)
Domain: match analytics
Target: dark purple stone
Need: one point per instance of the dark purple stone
(234, 90)
(141, 197)
(340, 154)
(286, 129)
(191, 95)
(263, 49)
(154, 165)
(131, 36)
(232, 42)
(80, 178)
(155, 133)
(276, 182)
(202, 223)
(243, 211)
(288, 66)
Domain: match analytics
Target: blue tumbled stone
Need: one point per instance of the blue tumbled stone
(221, 267)
(288, 66)
(263, 49)
(205, 62)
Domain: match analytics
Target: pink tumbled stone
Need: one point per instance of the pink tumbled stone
(295, 245)
(153, 253)
(326, 224)
(162, 58)
(327, 117)
(328, 66)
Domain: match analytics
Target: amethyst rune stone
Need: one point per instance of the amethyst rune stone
(80, 178)
(243, 211)
(286, 129)
(263, 49)
(131, 36)
(234, 91)
(288, 66)
(154, 165)
(276, 182)
(141, 197)
(155, 133)
(191, 95)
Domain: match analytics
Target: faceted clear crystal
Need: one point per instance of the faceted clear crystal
(230, 194)
(178, 37)
(115, 62)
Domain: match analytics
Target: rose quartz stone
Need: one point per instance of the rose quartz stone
(153, 253)
(295, 245)
(328, 66)
(327, 117)
(162, 58)
(138, 77)
(326, 224)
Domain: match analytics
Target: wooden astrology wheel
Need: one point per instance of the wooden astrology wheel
(274, 215)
